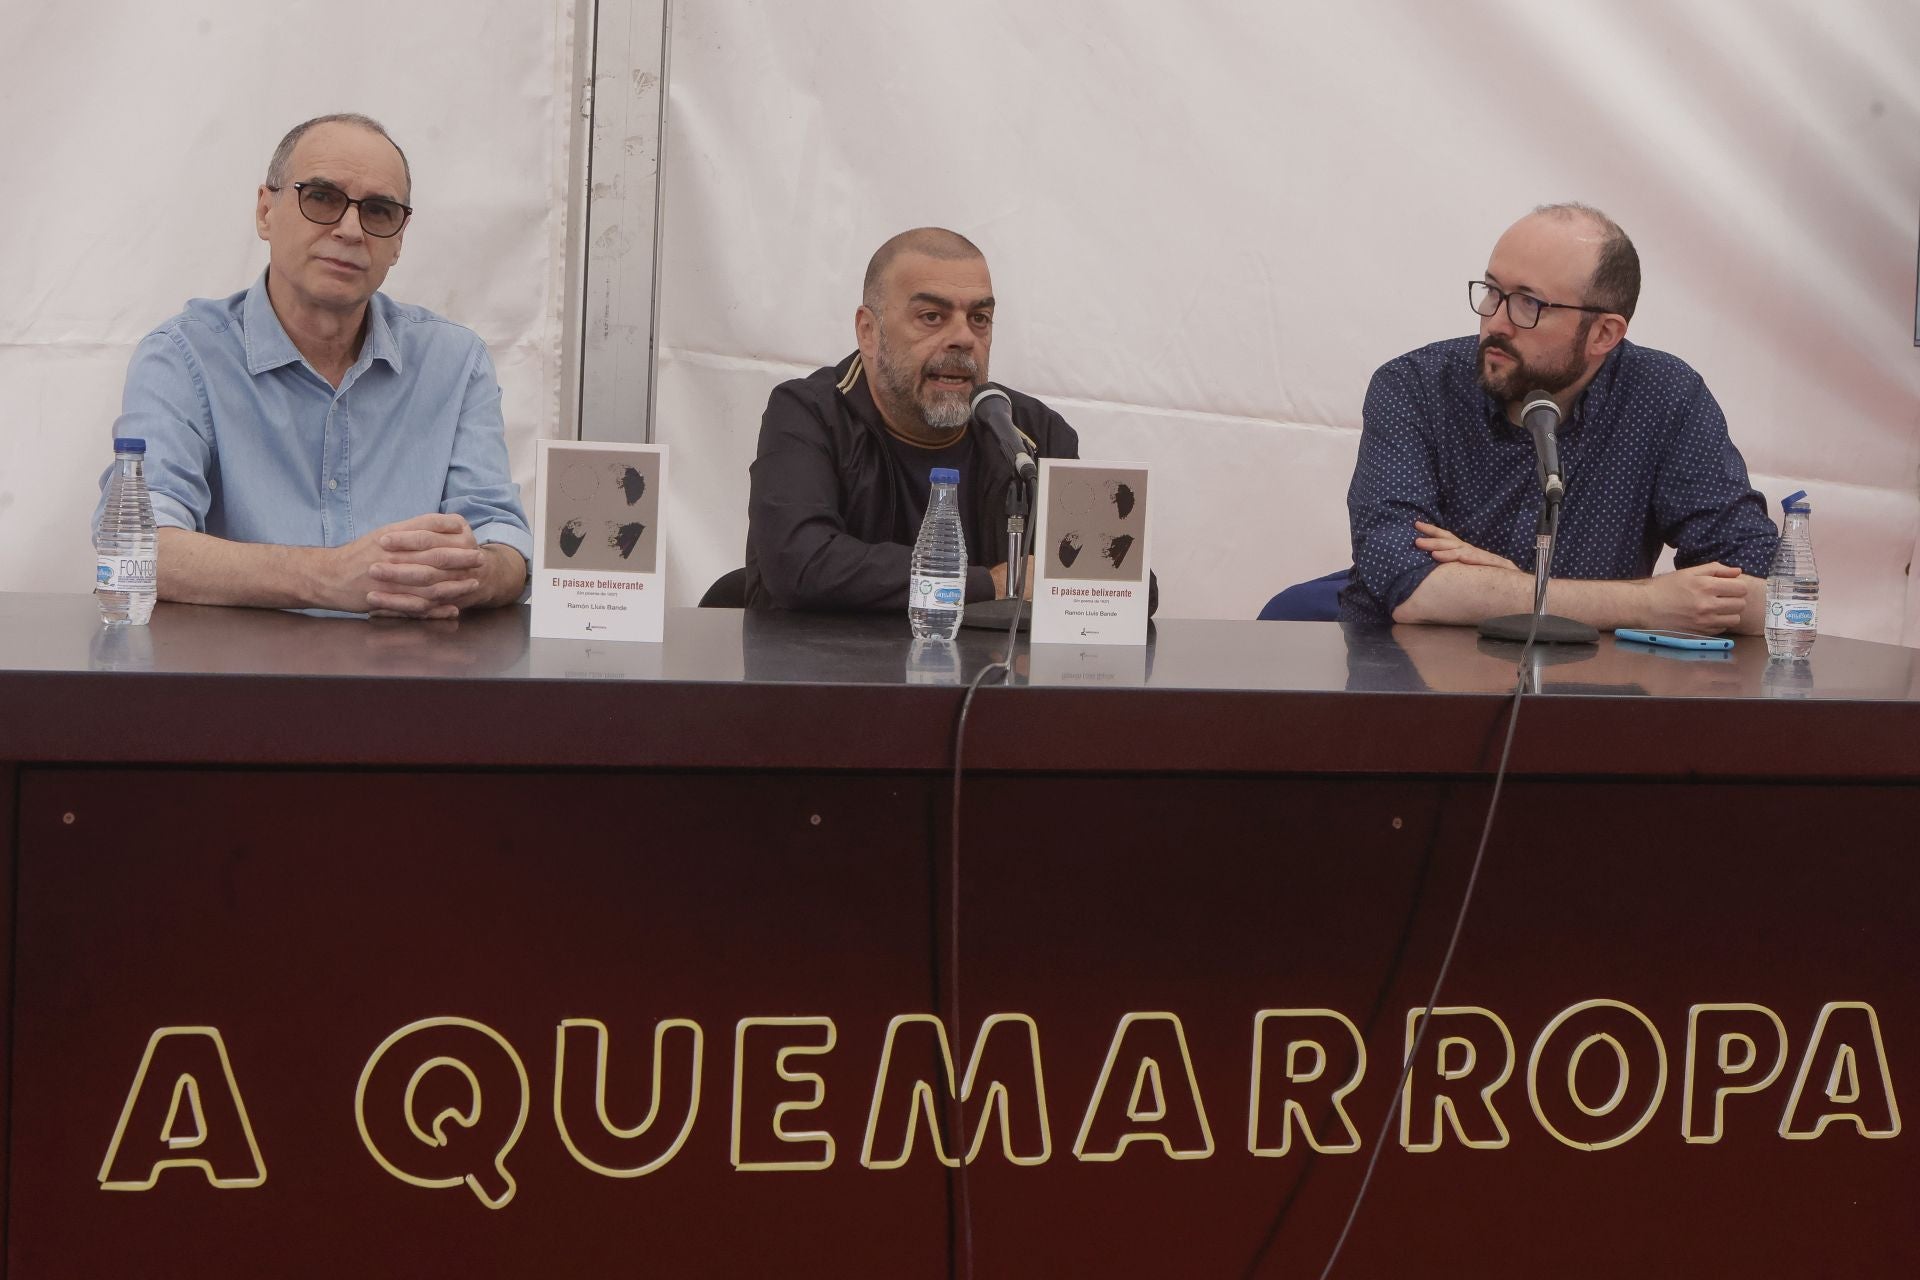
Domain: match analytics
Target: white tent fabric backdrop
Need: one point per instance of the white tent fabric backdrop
(136, 134)
(1208, 223)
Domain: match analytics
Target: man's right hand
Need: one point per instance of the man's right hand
(420, 584)
(1708, 598)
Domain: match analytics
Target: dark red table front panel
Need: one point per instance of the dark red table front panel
(309, 915)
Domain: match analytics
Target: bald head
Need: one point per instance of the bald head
(933, 242)
(1614, 282)
(278, 168)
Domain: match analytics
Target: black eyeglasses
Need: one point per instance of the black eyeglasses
(1523, 309)
(379, 216)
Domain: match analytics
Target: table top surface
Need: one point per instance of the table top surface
(731, 690)
(62, 634)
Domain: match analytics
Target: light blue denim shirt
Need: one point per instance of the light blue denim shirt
(245, 441)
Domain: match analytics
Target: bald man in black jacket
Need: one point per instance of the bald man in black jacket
(840, 479)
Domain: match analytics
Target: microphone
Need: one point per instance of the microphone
(1541, 417)
(993, 410)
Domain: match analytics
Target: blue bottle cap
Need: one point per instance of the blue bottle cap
(1796, 502)
(126, 444)
(944, 475)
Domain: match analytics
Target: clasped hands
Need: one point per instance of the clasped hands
(1708, 598)
(427, 567)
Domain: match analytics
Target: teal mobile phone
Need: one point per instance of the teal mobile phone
(1674, 639)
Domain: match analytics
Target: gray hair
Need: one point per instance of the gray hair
(283, 154)
(1616, 275)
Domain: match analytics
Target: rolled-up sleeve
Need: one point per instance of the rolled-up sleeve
(1395, 483)
(480, 486)
(165, 404)
(1706, 507)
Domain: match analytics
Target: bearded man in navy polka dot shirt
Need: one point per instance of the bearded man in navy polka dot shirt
(1445, 499)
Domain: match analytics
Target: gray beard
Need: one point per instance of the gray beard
(939, 411)
(948, 410)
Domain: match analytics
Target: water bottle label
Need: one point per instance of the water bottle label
(1793, 615)
(124, 573)
(936, 593)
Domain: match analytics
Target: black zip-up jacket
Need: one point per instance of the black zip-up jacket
(830, 524)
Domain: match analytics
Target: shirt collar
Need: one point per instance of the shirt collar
(269, 347)
(380, 343)
(1594, 398)
(853, 387)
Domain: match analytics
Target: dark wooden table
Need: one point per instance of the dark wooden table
(341, 947)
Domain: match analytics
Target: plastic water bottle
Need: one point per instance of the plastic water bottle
(125, 551)
(1793, 586)
(937, 589)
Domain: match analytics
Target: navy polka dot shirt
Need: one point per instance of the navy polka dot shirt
(1645, 455)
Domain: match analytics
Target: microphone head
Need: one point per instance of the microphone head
(993, 410)
(987, 391)
(1540, 402)
(1541, 417)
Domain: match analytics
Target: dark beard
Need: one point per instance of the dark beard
(1523, 377)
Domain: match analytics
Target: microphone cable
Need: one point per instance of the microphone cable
(1466, 897)
(960, 1242)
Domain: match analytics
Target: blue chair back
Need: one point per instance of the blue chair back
(1315, 601)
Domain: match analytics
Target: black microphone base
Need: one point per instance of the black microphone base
(1554, 629)
(997, 615)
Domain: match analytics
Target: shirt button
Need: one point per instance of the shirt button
(333, 484)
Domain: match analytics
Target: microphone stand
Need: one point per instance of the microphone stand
(1543, 552)
(1539, 626)
(1012, 613)
(1019, 507)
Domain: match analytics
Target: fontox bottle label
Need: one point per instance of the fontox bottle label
(937, 593)
(123, 573)
(1793, 615)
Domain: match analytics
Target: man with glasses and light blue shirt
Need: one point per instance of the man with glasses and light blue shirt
(312, 443)
(1445, 498)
